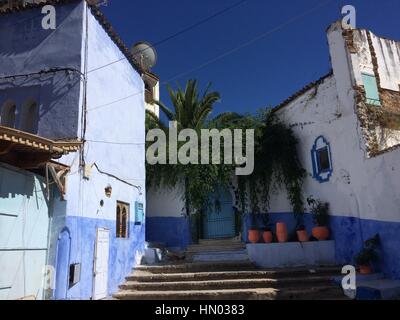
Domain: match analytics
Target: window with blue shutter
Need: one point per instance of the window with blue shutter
(322, 160)
(139, 213)
(371, 89)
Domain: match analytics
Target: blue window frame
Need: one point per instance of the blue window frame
(321, 160)
(139, 213)
(371, 89)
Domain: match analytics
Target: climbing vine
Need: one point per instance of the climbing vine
(277, 164)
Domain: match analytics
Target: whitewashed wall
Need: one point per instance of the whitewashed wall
(165, 203)
(359, 187)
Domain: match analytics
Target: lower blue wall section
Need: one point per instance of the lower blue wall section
(121, 255)
(174, 232)
(349, 234)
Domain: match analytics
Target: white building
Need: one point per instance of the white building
(90, 226)
(348, 125)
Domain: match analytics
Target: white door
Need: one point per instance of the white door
(100, 284)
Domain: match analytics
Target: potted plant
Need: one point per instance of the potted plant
(368, 255)
(253, 233)
(320, 214)
(302, 234)
(266, 229)
(282, 232)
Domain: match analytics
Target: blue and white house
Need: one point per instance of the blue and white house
(84, 206)
(348, 125)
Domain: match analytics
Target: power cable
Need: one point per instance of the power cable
(174, 35)
(246, 44)
(257, 38)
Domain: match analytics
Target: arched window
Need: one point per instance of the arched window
(29, 117)
(8, 115)
(122, 220)
(322, 160)
(118, 222)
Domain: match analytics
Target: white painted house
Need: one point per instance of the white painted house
(348, 126)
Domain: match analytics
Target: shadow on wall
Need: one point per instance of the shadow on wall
(14, 184)
(23, 32)
(47, 106)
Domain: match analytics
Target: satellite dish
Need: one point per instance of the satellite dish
(144, 54)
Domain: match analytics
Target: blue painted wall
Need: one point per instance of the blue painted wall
(121, 259)
(349, 234)
(173, 231)
(115, 136)
(25, 49)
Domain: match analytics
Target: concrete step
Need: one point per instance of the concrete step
(213, 248)
(230, 275)
(238, 255)
(306, 293)
(199, 267)
(228, 284)
(212, 242)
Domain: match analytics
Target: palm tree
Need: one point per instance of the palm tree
(276, 157)
(190, 110)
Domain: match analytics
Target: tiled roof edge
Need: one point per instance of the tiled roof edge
(302, 91)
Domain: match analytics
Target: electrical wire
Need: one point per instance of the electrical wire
(250, 42)
(174, 35)
(117, 143)
(227, 53)
(41, 72)
(116, 101)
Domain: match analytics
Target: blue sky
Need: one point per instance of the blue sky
(261, 74)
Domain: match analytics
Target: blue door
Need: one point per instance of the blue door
(219, 224)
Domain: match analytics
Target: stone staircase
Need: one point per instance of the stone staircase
(217, 250)
(220, 270)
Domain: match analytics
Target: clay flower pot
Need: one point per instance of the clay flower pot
(254, 236)
(268, 236)
(302, 236)
(321, 233)
(281, 232)
(365, 269)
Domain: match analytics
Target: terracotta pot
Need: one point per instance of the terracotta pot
(268, 236)
(254, 236)
(365, 270)
(302, 235)
(281, 232)
(321, 233)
